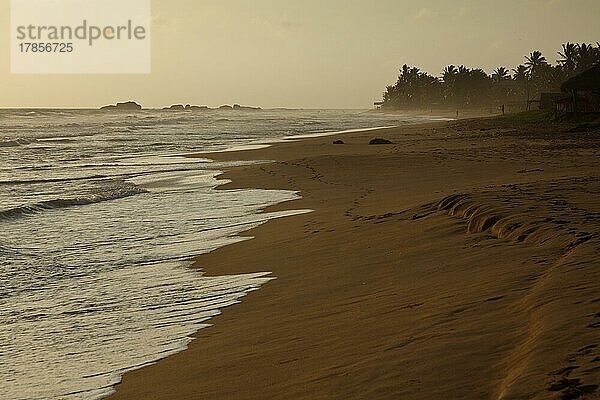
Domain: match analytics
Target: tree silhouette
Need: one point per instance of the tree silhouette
(521, 73)
(449, 90)
(450, 70)
(534, 61)
(501, 74)
(587, 56)
(569, 56)
(464, 87)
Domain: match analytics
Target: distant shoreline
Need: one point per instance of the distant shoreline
(163, 109)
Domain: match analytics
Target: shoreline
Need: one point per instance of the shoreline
(412, 284)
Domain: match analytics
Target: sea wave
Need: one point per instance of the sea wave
(5, 250)
(50, 180)
(112, 192)
(14, 142)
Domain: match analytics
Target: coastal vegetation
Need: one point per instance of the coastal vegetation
(461, 87)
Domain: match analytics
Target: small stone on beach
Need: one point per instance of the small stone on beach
(380, 141)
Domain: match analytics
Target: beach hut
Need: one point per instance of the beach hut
(584, 92)
(548, 100)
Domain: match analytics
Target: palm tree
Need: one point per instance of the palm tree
(549, 78)
(449, 71)
(462, 70)
(479, 87)
(461, 86)
(405, 70)
(501, 74)
(501, 91)
(521, 77)
(534, 61)
(449, 89)
(520, 73)
(427, 90)
(586, 56)
(569, 57)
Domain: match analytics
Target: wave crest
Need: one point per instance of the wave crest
(111, 192)
(14, 142)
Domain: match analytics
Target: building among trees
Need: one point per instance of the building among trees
(583, 92)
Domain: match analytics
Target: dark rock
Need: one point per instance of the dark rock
(225, 107)
(380, 141)
(175, 107)
(126, 106)
(338, 141)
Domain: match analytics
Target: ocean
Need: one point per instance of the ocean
(101, 215)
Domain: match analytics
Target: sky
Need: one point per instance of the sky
(308, 53)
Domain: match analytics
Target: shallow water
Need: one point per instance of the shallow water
(99, 219)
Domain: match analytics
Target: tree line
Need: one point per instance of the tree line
(461, 87)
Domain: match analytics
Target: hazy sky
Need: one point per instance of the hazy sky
(308, 53)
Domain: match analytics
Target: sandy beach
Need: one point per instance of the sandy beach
(461, 261)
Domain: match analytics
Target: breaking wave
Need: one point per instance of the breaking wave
(14, 142)
(112, 192)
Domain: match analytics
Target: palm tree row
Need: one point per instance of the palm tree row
(463, 87)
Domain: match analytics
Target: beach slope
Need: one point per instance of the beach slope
(460, 261)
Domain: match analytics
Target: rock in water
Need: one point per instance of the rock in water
(175, 107)
(126, 106)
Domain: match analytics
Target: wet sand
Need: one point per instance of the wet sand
(461, 261)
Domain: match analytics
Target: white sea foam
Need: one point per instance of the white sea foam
(98, 224)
